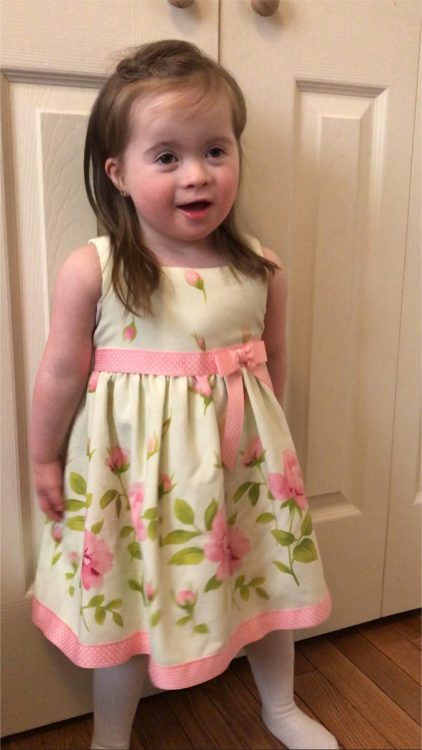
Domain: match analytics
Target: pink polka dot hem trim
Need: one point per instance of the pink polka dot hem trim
(176, 676)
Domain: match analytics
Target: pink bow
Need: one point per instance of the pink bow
(229, 363)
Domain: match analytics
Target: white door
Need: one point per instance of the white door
(331, 90)
(402, 580)
(54, 55)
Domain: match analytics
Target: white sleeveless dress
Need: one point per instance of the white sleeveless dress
(163, 549)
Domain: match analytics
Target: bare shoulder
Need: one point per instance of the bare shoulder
(271, 255)
(81, 270)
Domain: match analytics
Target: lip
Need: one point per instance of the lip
(197, 209)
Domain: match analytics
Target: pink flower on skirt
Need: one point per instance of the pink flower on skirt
(201, 385)
(186, 598)
(136, 499)
(93, 381)
(227, 546)
(97, 560)
(149, 591)
(289, 484)
(254, 452)
(194, 279)
(117, 460)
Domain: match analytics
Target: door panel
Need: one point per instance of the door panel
(54, 58)
(327, 177)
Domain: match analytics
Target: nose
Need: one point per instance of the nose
(195, 173)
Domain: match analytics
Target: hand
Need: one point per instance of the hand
(49, 486)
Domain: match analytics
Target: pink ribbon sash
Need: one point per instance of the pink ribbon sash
(227, 362)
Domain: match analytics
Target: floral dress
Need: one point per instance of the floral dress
(187, 532)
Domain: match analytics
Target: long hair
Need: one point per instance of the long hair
(155, 67)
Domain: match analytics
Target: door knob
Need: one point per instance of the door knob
(181, 3)
(265, 7)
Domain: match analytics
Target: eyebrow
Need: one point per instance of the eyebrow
(174, 144)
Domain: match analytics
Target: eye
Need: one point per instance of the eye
(216, 152)
(166, 158)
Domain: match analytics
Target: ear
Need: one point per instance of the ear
(113, 171)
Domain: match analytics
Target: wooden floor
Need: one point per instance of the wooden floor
(363, 684)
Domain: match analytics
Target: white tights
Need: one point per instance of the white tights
(272, 663)
(117, 691)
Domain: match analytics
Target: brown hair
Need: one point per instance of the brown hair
(153, 67)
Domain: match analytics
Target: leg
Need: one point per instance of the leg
(272, 663)
(117, 691)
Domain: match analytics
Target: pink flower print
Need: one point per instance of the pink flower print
(289, 484)
(118, 460)
(93, 381)
(186, 599)
(57, 532)
(202, 386)
(136, 499)
(130, 331)
(73, 558)
(254, 452)
(164, 485)
(97, 561)
(200, 342)
(194, 279)
(227, 546)
(149, 591)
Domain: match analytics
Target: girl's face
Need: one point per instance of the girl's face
(181, 169)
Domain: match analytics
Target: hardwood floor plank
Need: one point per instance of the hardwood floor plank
(339, 716)
(242, 715)
(157, 727)
(387, 638)
(75, 734)
(379, 710)
(410, 628)
(379, 668)
(207, 728)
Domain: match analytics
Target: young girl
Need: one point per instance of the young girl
(178, 525)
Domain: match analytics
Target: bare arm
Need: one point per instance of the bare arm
(63, 372)
(275, 326)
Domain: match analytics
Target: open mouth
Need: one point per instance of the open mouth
(194, 206)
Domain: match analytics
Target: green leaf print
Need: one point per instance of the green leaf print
(108, 498)
(282, 567)
(151, 514)
(56, 558)
(96, 601)
(239, 581)
(96, 527)
(117, 619)
(201, 629)
(265, 518)
(210, 514)
(135, 586)
(306, 526)
(100, 615)
(153, 530)
(179, 536)
(262, 593)
(165, 427)
(245, 593)
(77, 483)
(212, 584)
(126, 531)
(190, 556)
(184, 620)
(135, 550)
(115, 604)
(257, 581)
(305, 551)
(184, 512)
(77, 523)
(72, 505)
(155, 618)
(241, 491)
(253, 493)
(285, 538)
